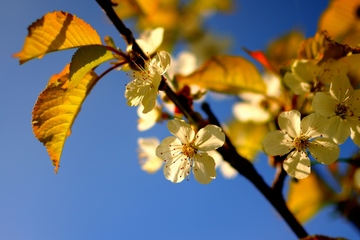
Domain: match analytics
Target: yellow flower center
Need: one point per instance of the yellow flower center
(341, 110)
(301, 143)
(188, 150)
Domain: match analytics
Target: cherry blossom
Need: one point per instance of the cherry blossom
(144, 88)
(296, 138)
(186, 151)
(341, 107)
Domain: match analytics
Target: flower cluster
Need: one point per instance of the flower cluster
(319, 89)
(334, 116)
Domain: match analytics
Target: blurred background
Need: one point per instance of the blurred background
(100, 191)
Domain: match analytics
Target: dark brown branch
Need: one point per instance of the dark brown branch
(350, 209)
(228, 151)
(280, 175)
(126, 33)
(245, 168)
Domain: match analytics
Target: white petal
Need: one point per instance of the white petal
(276, 143)
(324, 104)
(209, 138)
(246, 112)
(170, 148)
(314, 125)
(354, 107)
(148, 160)
(177, 170)
(161, 62)
(186, 63)
(150, 40)
(305, 71)
(149, 99)
(204, 168)
(355, 131)
(296, 85)
(182, 130)
(338, 129)
(148, 120)
(152, 165)
(289, 123)
(132, 93)
(217, 157)
(297, 165)
(340, 88)
(227, 170)
(331, 69)
(148, 145)
(324, 150)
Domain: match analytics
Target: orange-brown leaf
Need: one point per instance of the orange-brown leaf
(322, 48)
(56, 31)
(305, 206)
(341, 21)
(226, 74)
(284, 48)
(56, 109)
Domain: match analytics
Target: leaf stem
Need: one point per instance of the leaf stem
(103, 74)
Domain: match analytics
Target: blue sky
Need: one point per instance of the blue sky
(100, 191)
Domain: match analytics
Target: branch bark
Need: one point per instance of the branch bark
(228, 151)
(246, 168)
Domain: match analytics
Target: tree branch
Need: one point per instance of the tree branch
(245, 168)
(228, 151)
(126, 33)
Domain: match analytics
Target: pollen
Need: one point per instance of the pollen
(341, 110)
(301, 143)
(188, 151)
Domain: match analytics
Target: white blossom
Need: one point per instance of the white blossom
(186, 151)
(296, 138)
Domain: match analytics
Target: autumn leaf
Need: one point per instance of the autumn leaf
(56, 31)
(202, 6)
(226, 74)
(130, 8)
(261, 58)
(247, 137)
(305, 206)
(353, 63)
(85, 59)
(321, 48)
(56, 109)
(341, 21)
(284, 49)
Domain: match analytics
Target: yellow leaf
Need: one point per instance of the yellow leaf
(85, 59)
(247, 137)
(56, 31)
(284, 48)
(56, 109)
(203, 6)
(307, 196)
(134, 8)
(353, 63)
(341, 21)
(322, 48)
(226, 74)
